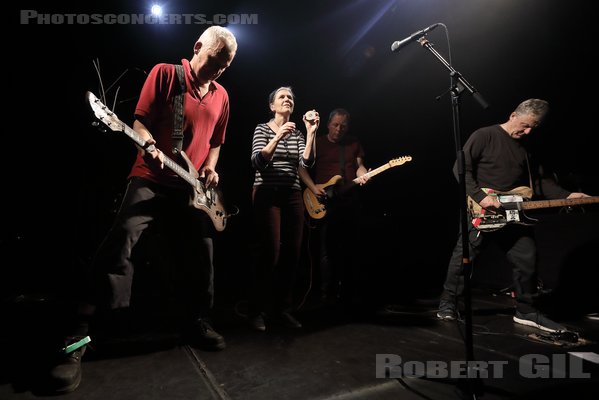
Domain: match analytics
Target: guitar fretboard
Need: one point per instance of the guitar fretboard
(170, 163)
(375, 171)
(529, 205)
(393, 163)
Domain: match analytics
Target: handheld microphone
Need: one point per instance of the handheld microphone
(399, 44)
(310, 116)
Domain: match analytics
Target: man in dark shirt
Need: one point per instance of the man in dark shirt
(341, 155)
(496, 159)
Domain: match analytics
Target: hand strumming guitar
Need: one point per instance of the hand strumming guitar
(490, 203)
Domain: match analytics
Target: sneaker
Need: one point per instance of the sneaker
(288, 320)
(447, 311)
(206, 337)
(593, 316)
(257, 322)
(65, 375)
(538, 320)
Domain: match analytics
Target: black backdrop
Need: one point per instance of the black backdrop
(64, 178)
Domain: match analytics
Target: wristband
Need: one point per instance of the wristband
(74, 346)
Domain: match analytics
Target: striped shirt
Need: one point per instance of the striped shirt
(281, 170)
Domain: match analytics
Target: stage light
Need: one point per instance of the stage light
(156, 10)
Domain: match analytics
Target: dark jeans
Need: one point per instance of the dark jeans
(339, 237)
(518, 244)
(279, 224)
(144, 204)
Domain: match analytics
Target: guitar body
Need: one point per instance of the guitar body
(207, 200)
(210, 202)
(513, 204)
(315, 206)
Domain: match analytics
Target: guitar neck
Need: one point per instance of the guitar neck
(529, 205)
(375, 171)
(170, 163)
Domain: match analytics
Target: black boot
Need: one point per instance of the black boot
(204, 336)
(65, 375)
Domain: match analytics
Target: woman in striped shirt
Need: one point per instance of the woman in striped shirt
(278, 149)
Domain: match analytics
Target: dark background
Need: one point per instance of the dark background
(63, 178)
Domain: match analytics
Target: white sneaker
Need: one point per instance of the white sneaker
(538, 320)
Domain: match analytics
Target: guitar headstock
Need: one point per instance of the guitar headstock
(400, 161)
(103, 113)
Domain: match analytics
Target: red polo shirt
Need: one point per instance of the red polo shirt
(204, 126)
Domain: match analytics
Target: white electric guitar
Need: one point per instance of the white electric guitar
(205, 199)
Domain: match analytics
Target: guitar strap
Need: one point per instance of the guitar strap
(178, 106)
(529, 174)
(342, 161)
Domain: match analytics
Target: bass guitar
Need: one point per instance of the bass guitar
(205, 199)
(513, 204)
(316, 206)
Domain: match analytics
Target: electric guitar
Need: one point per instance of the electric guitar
(317, 205)
(207, 200)
(513, 204)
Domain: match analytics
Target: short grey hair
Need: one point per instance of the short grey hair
(537, 107)
(339, 111)
(271, 96)
(214, 35)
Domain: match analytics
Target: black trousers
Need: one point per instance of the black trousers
(517, 242)
(144, 204)
(339, 236)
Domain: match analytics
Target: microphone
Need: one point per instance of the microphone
(398, 45)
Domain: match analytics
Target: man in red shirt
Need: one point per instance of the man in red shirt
(158, 195)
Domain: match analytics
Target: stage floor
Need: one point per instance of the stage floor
(338, 354)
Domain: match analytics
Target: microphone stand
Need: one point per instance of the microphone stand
(458, 84)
